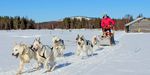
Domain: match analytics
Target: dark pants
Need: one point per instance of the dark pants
(105, 30)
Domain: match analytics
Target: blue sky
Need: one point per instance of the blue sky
(46, 10)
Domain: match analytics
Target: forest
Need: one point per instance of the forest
(17, 22)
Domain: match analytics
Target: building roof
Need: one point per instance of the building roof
(138, 19)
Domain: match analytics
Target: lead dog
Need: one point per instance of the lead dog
(24, 53)
(84, 47)
(59, 46)
(45, 55)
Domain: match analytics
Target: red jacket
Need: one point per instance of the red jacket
(106, 22)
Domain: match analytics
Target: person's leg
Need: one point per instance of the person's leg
(109, 32)
(103, 30)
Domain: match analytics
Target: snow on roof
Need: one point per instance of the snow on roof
(134, 21)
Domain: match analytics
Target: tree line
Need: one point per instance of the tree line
(69, 23)
(8, 23)
(17, 22)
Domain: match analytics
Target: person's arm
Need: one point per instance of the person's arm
(112, 22)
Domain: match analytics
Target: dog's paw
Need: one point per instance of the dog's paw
(37, 68)
(18, 73)
(47, 71)
(84, 57)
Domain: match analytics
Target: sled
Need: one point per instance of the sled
(106, 40)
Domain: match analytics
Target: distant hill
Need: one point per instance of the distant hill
(81, 17)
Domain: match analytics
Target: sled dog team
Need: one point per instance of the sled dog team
(45, 55)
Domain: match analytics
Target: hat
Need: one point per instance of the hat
(105, 15)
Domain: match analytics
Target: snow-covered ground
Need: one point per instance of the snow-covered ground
(130, 55)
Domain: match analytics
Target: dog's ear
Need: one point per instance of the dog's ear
(21, 43)
(54, 36)
(21, 50)
(51, 48)
(24, 49)
(77, 37)
(37, 39)
(82, 36)
(15, 43)
(94, 38)
(30, 46)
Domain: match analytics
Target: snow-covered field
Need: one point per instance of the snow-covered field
(130, 55)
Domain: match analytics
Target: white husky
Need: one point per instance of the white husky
(45, 54)
(24, 53)
(59, 46)
(84, 47)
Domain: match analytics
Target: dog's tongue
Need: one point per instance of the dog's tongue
(16, 56)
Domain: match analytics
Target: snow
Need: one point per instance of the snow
(130, 55)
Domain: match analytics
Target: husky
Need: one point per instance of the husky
(84, 47)
(24, 53)
(45, 55)
(96, 41)
(59, 46)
